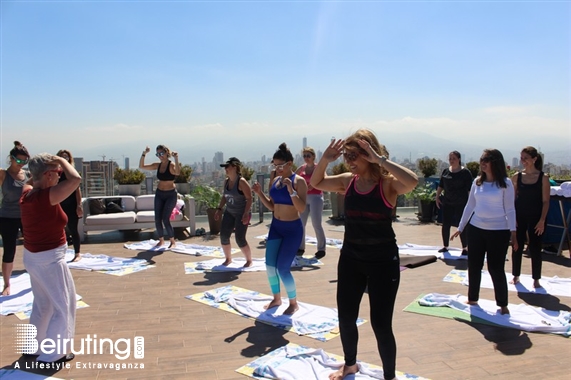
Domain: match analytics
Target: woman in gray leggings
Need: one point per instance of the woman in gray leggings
(313, 205)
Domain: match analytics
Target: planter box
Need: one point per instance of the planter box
(134, 190)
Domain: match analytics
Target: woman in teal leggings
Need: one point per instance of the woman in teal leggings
(287, 200)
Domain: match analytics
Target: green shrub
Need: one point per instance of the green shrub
(427, 166)
(184, 176)
(206, 195)
(128, 176)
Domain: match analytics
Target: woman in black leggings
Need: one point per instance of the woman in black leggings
(369, 258)
(72, 207)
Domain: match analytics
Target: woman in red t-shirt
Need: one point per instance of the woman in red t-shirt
(53, 311)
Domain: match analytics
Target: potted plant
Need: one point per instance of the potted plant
(182, 181)
(338, 199)
(425, 194)
(247, 173)
(129, 181)
(209, 197)
(427, 166)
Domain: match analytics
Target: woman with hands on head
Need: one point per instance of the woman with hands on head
(238, 200)
(53, 311)
(531, 188)
(369, 257)
(490, 217)
(12, 181)
(287, 200)
(166, 195)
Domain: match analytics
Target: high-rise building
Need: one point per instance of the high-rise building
(127, 163)
(304, 142)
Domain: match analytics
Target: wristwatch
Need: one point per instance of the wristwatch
(293, 194)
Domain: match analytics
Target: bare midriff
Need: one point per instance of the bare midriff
(166, 185)
(285, 212)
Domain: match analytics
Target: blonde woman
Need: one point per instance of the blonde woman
(369, 258)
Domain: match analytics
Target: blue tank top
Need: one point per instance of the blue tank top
(166, 175)
(369, 234)
(281, 196)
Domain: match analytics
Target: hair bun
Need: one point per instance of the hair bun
(17, 144)
(283, 146)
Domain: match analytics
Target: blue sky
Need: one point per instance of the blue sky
(109, 77)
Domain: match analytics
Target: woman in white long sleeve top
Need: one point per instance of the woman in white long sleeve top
(490, 217)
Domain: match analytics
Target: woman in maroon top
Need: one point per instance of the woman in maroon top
(53, 310)
(369, 258)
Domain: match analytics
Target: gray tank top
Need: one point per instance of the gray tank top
(235, 200)
(11, 193)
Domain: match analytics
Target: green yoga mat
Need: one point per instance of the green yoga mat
(443, 312)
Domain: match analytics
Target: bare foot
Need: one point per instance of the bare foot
(345, 371)
(515, 280)
(172, 244)
(6, 291)
(292, 308)
(472, 302)
(536, 284)
(504, 310)
(160, 243)
(227, 262)
(248, 264)
(274, 303)
(77, 257)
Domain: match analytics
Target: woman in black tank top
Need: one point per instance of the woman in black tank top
(166, 195)
(369, 258)
(531, 188)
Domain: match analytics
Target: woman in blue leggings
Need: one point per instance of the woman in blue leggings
(287, 200)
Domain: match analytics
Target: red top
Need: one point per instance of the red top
(43, 224)
(307, 177)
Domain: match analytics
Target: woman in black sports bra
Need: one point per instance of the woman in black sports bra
(165, 196)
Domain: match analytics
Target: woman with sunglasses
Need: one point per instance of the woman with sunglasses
(12, 181)
(531, 188)
(455, 181)
(287, 201)
(489, 216)
(72, 208)
(369, 257)
(53, 311)
(313, 204)
(238, 201)
(166, 195)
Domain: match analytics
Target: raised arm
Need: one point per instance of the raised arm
(142, 161)
(175, 166)
(63, 189)
(320, 180)
(267, 201)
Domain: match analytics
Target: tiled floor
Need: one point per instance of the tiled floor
(187, 340)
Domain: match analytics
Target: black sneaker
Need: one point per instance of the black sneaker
(443, 249)
(319, 254)
(63, 359)
(300, 252)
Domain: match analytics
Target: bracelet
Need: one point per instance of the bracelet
(293, 194)
(383, 159)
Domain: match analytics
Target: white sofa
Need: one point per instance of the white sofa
(138, 214)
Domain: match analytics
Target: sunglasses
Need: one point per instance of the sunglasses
(279, 167)
(486, 159)
(58, 171)
(309, 155)
(350, 156)
(160, 154)
(20, 162)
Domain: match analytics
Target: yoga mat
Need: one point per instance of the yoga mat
(522, 317)
(116, 266)
(443, 312)
(237, 265)
(550, 285)
(293, 362)
(20, 301)
(324, 319)
(416, 261)
(16, 374)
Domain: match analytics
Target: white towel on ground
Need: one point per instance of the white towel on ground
(147, 245)
(237, 265)
(521, 317)
(102, 262)
(423, 250)
(309, 319)
(550, 285)
(200, 250)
